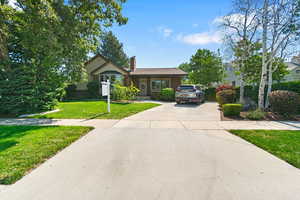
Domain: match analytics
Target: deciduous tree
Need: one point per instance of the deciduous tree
(205, 68)
(46, 43)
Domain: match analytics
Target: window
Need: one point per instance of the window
(113, 77)
(158, 85)
(298, 71)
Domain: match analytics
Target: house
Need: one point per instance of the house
(150, 81)
(293, 68)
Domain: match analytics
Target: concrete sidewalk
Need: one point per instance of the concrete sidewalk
(161, 124)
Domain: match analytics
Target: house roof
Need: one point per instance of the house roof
(106, 63)
(158, 71)
(292, 66)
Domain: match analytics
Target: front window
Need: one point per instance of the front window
(112, 77)
(158, 85)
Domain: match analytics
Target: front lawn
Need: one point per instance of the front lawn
(281, 143)
(96, 110)
(23, 148)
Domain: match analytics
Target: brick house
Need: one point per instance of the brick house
(150, 81)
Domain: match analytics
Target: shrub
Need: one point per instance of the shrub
(252, 91)
(232, 109)
(70, 90)
(224, 87)
(124, 93)
(93, 89)
(167, 94)
(226, 96)
(210, 94)
(284, 102)
(256, 115)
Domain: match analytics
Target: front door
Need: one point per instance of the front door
(143, 87)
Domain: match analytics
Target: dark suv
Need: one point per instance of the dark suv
(189, 94)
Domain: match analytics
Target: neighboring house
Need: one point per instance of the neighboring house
(293, 75)
(294, 70)
(150, 81)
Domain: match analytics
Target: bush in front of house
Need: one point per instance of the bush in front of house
(256, 115)
(224, 87)
(93, 89)
(232, 109)
(210, 94)
(70, 90)
(167, 94)
(284, 102)
(120, 92)
(226, 96)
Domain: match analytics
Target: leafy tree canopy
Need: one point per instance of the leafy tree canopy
(45, 42)
(205, 68)
(248, 61)
(111, 48)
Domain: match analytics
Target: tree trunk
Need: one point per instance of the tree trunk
(263, 79)
(242, 89)
(270, 82)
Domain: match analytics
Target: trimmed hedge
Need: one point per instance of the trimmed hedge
(232, 109)
(167, 94)
(226, 96)
(252, 91)
(284, 102)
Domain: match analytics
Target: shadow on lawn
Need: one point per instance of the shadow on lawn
(14, 132)
(97, 115)
(7, 144)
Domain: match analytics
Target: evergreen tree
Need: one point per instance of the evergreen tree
(112, 49)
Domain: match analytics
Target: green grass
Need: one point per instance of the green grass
(96, 110)
(281, 143)
(23, 148)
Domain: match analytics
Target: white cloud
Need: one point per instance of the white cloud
(195, 25)
(202, 38)
(236, 19)
(166, 32)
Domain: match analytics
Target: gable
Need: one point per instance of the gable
(94, 63)
(109, 67)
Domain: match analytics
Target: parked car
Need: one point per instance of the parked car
(189, 94)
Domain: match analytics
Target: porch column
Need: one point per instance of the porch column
(148, 86)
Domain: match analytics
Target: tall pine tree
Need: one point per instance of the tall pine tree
(112, 49)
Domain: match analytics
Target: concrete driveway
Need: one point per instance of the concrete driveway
(159, 164)
(172, 112)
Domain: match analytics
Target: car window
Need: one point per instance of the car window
(186, 87)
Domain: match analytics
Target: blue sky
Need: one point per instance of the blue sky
(165, 33)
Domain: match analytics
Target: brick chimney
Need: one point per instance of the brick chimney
(132, 64)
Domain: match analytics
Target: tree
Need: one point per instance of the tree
(205, 68)
(112, 49)
(253, 72)
(46, 43)
(280, 30)
(240, 28)
(185, 67)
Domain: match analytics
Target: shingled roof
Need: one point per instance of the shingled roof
(158, 71)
